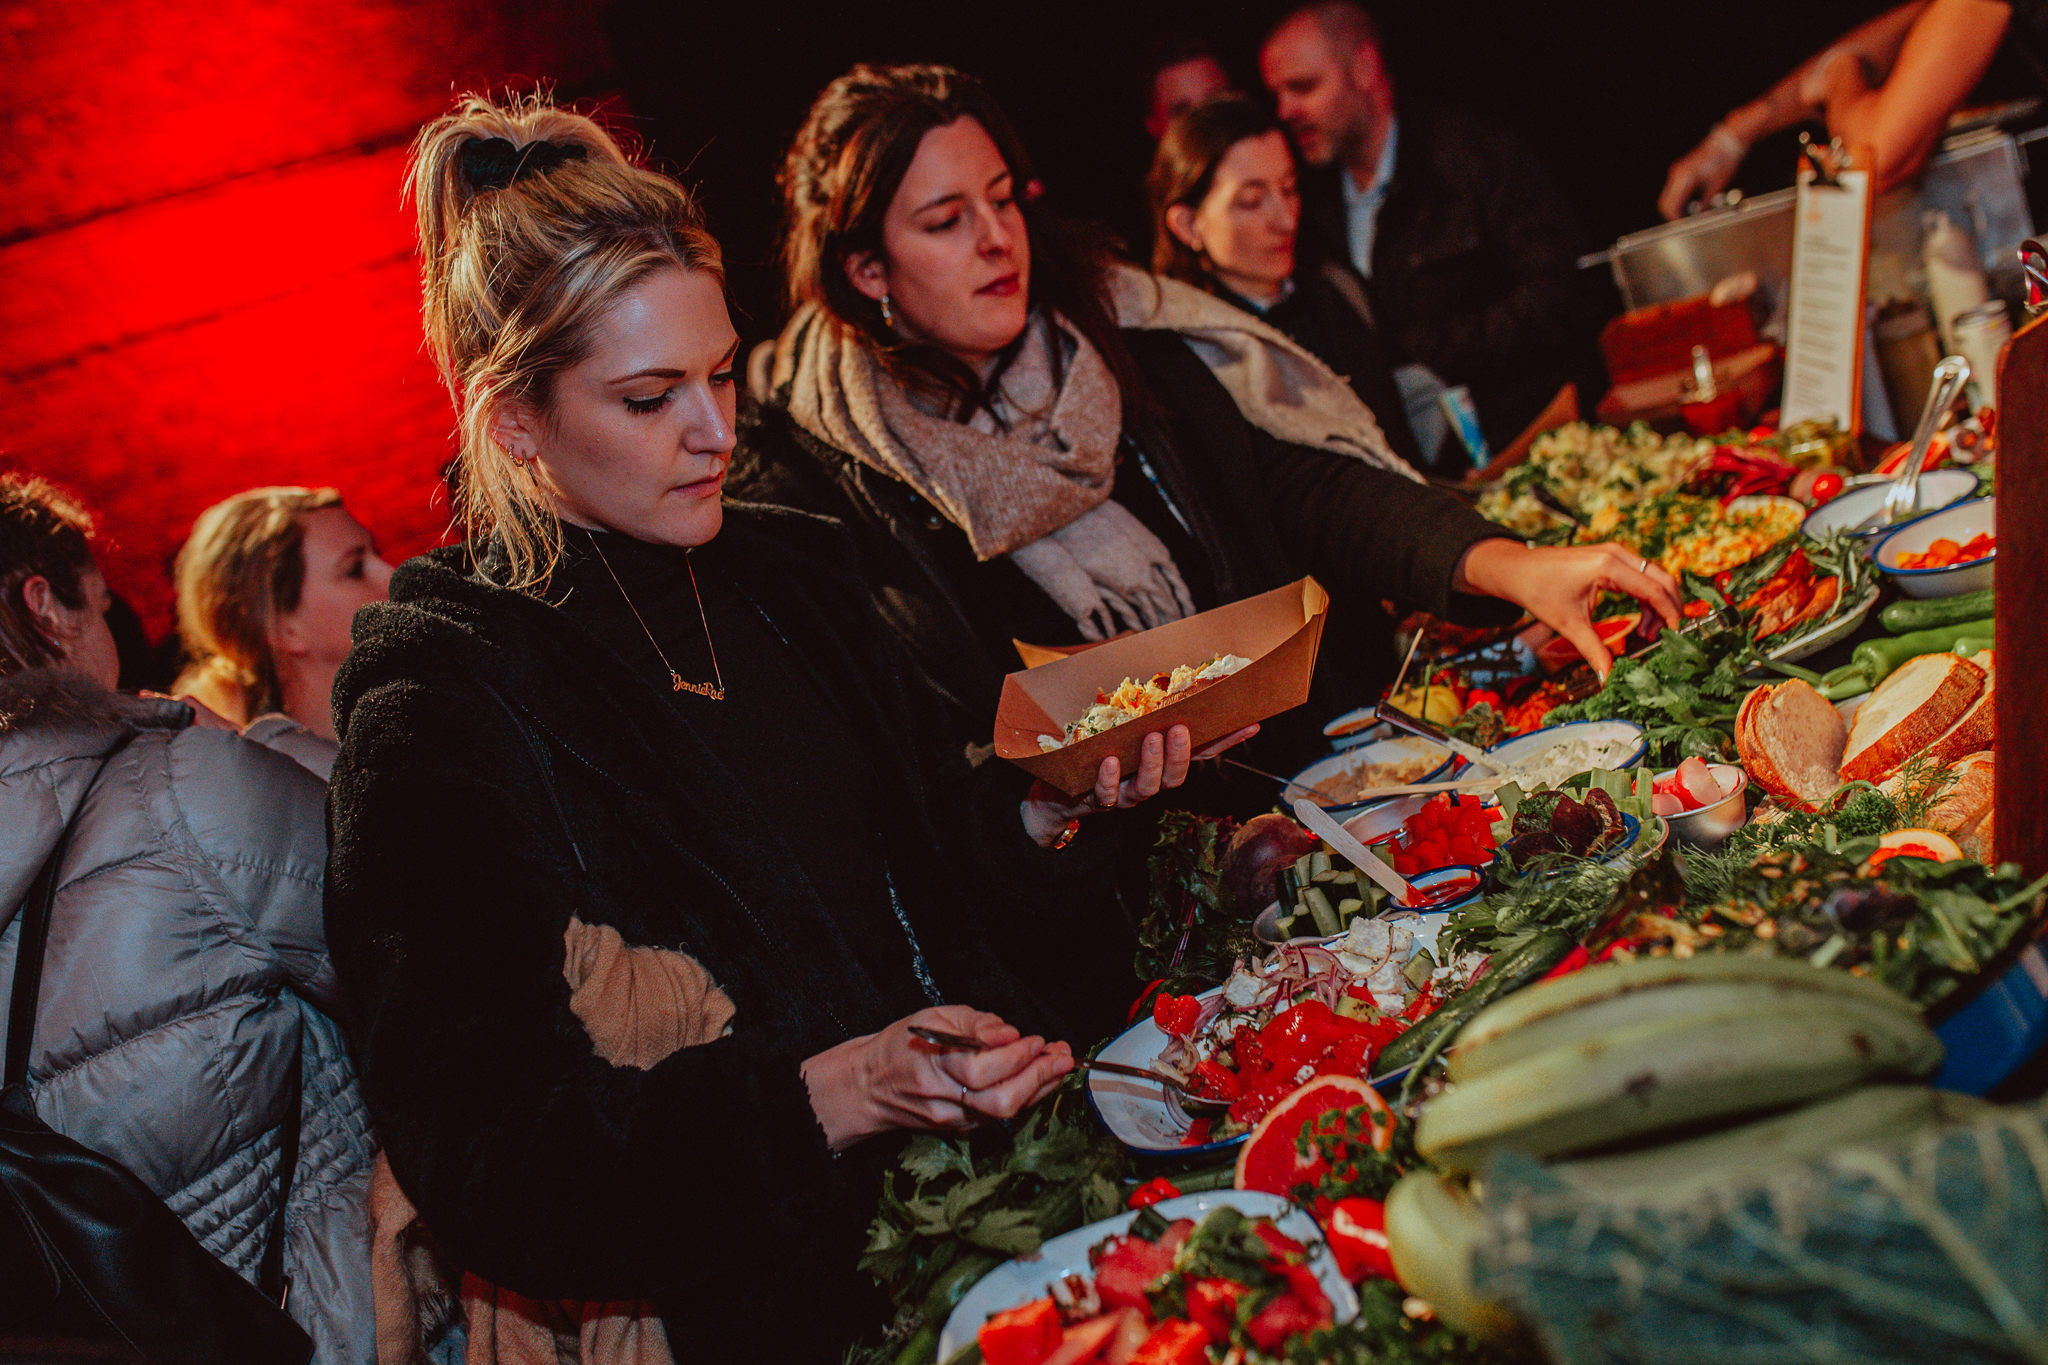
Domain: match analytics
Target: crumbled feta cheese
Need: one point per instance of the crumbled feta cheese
(1387, 977)
(1368, 938)
(1243, 990)
(1389, 1003)
(1402, 942)
(1356, 965)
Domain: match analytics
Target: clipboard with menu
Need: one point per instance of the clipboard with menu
(1824, 327)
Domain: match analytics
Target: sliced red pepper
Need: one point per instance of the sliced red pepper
(1357, 1229)
(1153, 1192)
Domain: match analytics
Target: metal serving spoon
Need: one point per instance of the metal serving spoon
(1903, 500)
(1200, 1106)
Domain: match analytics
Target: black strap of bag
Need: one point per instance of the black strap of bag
(92, 1256)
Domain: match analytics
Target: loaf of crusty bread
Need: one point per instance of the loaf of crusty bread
(1791, 740)
(1907, 712)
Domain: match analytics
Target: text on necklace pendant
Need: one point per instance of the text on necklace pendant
(701, 689)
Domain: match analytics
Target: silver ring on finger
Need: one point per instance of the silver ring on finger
(1644, 567)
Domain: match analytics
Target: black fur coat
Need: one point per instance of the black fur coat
(501, 771)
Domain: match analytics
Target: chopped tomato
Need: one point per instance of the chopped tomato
(1152, 1192)
(1127, 1269)
(1300, 1037)
(1282, 1319)
(1214, 1081)
(1176, 1014)
(1278, 1242)
(1212, 1303)
(1198, 1134)
(1084, 1342)
(1175, 1342)
(1025, 1335)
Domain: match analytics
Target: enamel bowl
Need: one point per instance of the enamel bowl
(1938, 489)
(1378, 751)
(1957, 523)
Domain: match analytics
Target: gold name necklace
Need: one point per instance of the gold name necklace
(715, 689)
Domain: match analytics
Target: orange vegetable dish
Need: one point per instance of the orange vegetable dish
(1945, 552)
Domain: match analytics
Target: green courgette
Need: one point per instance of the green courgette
(1317, 904)
(1287, 889)
(1973, 644)
(1881, 658)
(1925, 613)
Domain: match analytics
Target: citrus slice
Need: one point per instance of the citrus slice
(1281, 1153)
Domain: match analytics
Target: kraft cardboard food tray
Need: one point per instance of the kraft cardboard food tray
(1279, 631)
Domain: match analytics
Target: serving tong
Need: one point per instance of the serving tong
(1903, 500)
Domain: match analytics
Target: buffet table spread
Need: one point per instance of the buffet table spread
(1665, 1016)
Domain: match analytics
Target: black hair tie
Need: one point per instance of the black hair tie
(492, 163)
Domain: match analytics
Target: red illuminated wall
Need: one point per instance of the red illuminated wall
(206, 279)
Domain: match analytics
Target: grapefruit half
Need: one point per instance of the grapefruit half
(1282, 1153)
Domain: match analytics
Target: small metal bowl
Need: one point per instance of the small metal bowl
(1710, 824)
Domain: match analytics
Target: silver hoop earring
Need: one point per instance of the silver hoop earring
(888, 317)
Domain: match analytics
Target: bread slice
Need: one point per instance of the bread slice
(1907, 712)
(1967, 803)
(1974, 732)
(1754, 760)
(1791, 740)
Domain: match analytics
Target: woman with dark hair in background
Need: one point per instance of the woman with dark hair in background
(268, 583)
(186, 995)
(1032, 444)
(1226, 217)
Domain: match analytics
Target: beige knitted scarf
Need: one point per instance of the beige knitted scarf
(1035, 485)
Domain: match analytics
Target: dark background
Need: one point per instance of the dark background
(1610, 92)
(206, 273)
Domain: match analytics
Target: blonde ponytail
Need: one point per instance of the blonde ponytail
(513, 276)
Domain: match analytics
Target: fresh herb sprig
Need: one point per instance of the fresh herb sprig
(1684, 693)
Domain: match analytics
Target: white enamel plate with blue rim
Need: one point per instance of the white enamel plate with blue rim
(1025, 1278)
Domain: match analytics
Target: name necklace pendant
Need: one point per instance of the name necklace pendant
(715, 689)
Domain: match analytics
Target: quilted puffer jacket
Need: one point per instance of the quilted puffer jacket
(187, 961)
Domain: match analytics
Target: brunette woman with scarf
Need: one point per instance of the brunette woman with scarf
(1031, 443)
(645, 858)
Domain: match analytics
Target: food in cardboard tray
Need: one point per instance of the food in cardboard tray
(1907, 713)
(1130, 699)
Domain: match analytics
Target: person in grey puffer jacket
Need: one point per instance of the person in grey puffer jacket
(187, 963)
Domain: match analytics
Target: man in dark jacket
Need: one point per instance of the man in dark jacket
(1466, 248)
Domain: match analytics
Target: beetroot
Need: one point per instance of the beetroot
(1261, 847)
(1611, 828)
(1577, 827)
